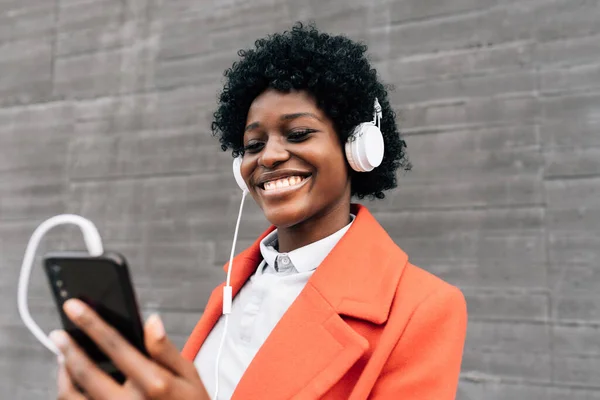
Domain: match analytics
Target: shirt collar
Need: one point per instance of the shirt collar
(306, 258)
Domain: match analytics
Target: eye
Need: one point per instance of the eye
(253, 146)
(299, 135)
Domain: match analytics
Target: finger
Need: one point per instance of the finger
(152, 378)
(163, 351)
(66, 389)
(82, 371)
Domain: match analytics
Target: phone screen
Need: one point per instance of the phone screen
(104, 285)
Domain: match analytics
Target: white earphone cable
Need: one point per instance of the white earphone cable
(221, 344)
(93, 243)
(227, 295)
(235, 235)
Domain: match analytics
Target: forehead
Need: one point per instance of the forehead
(275, 103)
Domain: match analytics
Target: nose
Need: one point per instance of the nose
(274, 153)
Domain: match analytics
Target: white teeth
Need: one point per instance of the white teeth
(284, 182)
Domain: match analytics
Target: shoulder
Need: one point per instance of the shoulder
(422, 297)
(427, 312)
(422, 284)
(427, 331)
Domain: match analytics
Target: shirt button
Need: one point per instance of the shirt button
(284, 259)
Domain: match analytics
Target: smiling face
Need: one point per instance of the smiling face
(293, 161)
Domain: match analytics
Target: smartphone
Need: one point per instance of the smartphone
(104, 283)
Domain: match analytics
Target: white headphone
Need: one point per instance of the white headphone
(364, 148)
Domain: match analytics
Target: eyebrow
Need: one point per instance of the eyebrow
(285, 117)
(253, 125)
(288, 117)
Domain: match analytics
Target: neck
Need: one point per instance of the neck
(315, 228)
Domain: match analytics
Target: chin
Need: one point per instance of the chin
(286, 215)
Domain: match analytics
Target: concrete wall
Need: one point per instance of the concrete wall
(105, 108)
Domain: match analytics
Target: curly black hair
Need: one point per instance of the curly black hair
(333, 69)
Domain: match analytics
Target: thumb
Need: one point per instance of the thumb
(163, 351)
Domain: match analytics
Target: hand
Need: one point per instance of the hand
(164, 376)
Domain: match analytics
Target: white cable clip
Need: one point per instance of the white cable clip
(378, 114)
(93, 242)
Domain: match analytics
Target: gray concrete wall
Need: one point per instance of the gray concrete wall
(105, 108)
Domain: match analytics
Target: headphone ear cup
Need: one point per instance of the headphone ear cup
(364, 150)
(350, 155)
(237, 173)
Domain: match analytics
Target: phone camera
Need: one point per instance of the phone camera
(55, 269)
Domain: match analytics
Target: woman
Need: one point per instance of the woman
(325, 304)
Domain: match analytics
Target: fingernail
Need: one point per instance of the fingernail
(74, 307)
(60, 359)
(158, 329)
(59, 338)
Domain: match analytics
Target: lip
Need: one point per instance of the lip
(279, 174)
(283, 191)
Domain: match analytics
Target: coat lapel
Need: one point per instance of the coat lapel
(309, 350)
(312, 347)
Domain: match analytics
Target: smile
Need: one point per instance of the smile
(284, 185)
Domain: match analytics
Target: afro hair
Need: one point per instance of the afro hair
(336, 72)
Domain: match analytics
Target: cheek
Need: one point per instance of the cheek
(246, 168)
(334, 168)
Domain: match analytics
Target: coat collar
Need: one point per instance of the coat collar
(358, 279)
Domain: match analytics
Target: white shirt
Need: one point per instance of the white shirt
(257, 308)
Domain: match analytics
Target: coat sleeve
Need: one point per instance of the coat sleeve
(425, 363)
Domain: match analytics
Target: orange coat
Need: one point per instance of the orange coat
(367, 325)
